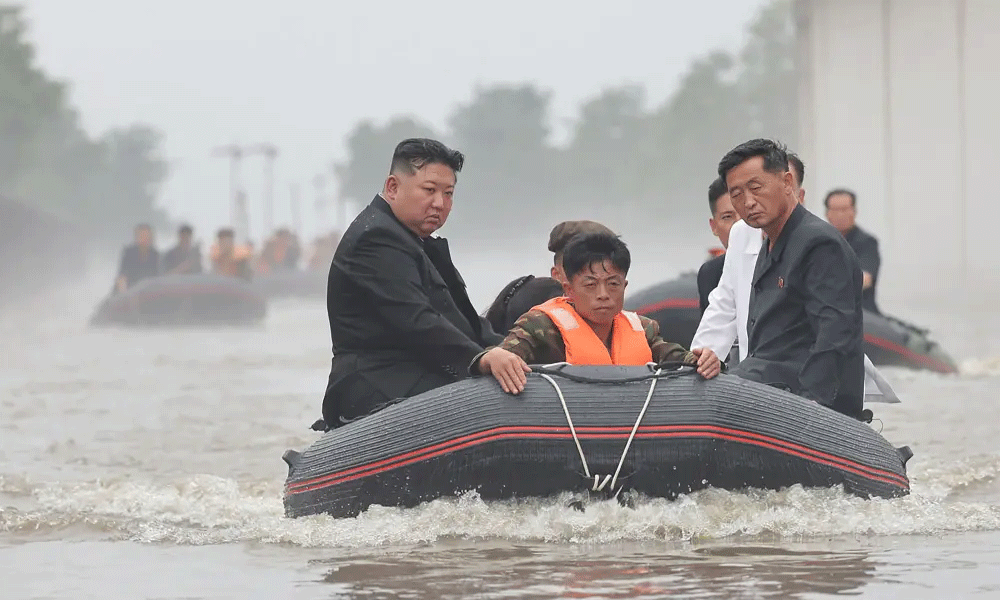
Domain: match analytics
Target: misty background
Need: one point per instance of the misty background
(115, 111)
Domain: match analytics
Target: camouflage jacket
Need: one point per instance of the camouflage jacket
(536, 339)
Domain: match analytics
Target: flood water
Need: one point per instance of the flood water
(146, 464)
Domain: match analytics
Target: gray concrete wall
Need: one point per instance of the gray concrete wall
(899, 102)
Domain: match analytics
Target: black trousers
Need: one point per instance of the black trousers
(354, 397)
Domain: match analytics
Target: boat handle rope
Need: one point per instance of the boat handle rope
(600, 484)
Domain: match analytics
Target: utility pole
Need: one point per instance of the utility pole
(270, 152)
(320, 205)
(293, 200)
(235, 154)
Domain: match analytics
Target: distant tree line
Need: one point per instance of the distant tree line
(620, 156)
(48, 162)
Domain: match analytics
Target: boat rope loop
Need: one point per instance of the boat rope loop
(599, 482)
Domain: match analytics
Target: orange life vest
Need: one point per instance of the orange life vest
(628, 339)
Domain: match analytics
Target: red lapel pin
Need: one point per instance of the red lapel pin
(781, 282)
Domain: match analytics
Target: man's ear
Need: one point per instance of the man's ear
(391, 187)
(711, 225)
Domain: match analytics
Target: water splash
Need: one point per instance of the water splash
(212, 510)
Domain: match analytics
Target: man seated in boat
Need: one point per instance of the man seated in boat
(520, 295)
(587, 326)
(804, 324)
(228, 258)
(185, 257)
(140, 260)
(401, 321)
(722, 220)
(280, 253)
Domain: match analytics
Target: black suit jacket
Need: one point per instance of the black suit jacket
(708, 279)
(400, 316)
(865, 245)
(805, 323)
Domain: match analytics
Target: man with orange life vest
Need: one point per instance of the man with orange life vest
(587, 326)
(228, 258)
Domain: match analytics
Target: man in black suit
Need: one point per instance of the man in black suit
(140, 260)
(723, 217)
(841, 211)
(400, 318)
(805, 320)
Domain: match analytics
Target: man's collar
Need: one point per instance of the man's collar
(798, 213)
(382, 204)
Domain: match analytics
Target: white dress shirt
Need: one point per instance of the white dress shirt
(725, 319)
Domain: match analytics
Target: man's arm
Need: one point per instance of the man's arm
(664, 351)
(704, 286)
(385, 271)
(832, 300)
(717, 329)
(124, 266)
(871, 261)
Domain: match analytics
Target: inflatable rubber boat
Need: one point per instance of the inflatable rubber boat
(182, 300)
(592, 430)
(291, 284)
(888, 341)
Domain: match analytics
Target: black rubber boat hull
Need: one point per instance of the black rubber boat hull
(726, 433)
(888, 341)
(183, 300)
(291, 284)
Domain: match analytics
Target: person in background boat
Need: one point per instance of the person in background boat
(185, 257)
(293, 252)
(520, 295)
(322, 252)
(229, 258)
(587, 326)
(841, 211)
(722, 220)
(401, 321)
(140, 259)
(280, 253)
(805, 319)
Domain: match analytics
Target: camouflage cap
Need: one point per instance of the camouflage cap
(562, 233)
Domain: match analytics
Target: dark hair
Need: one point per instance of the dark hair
(775, 156)
(716, 190)
(226, 232)
(587, 249)
(838, 191)
(518, 297)
(185, 229)
(562, 233)
(413, 154)
(798, 167)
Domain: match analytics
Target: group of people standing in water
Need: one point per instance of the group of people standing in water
(282, 251)
(401, 321)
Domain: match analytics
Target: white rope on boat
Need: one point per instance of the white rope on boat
(599, 483)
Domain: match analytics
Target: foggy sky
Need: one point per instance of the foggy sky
(302, 73)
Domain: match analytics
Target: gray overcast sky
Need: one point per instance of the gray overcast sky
(302, 73)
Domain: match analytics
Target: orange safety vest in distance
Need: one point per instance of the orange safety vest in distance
(628, 339)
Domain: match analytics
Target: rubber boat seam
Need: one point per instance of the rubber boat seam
(541, 432)
(607, 433)
(566, 436)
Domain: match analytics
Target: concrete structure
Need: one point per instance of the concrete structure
(899, 101)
